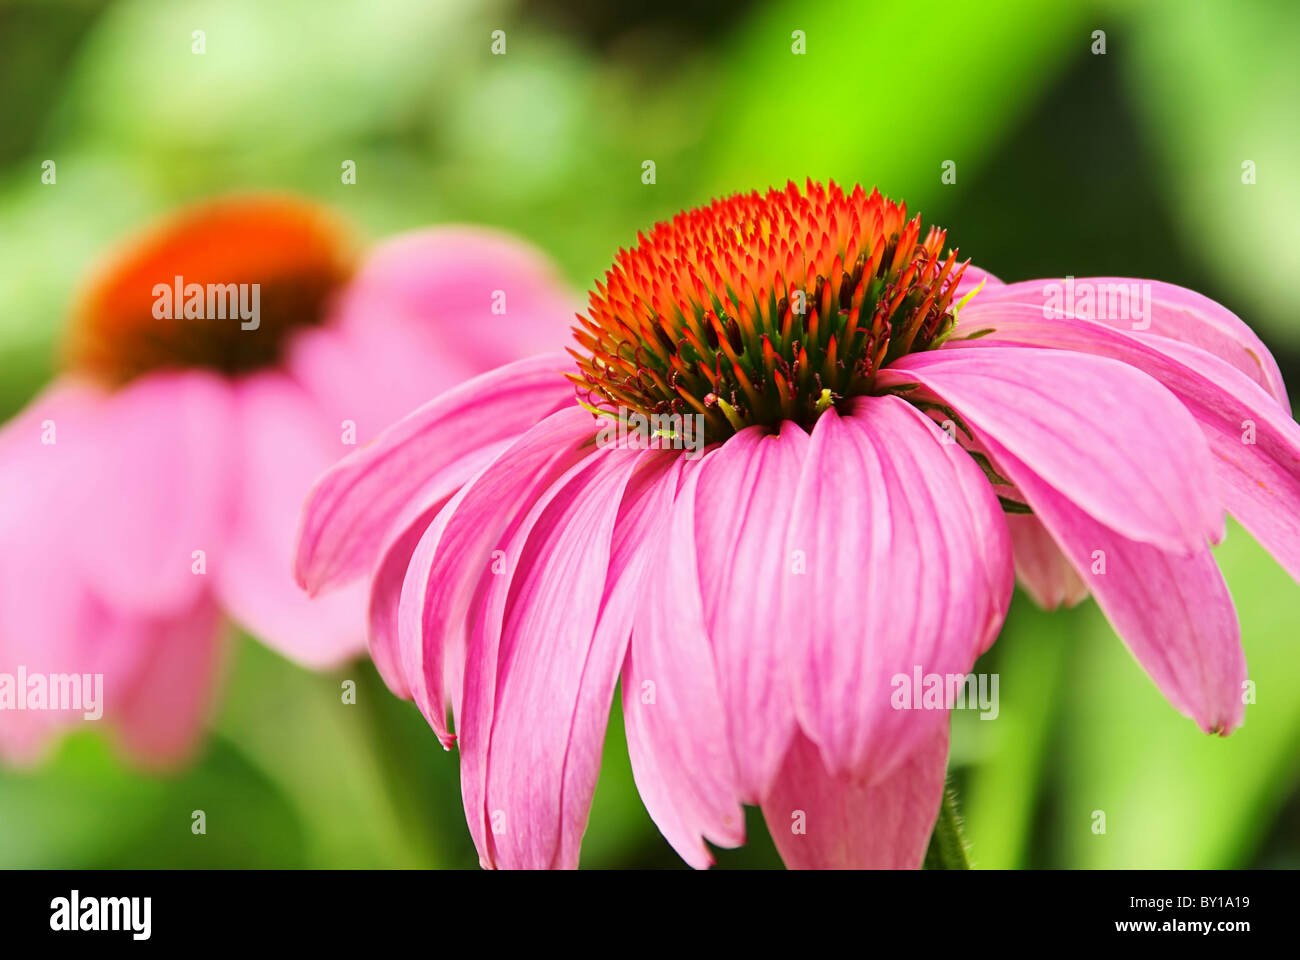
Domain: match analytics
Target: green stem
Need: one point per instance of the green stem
(947, 846)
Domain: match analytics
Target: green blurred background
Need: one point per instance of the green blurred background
(1067, 162)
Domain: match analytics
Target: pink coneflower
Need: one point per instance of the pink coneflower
(879, 456)
(153, 489)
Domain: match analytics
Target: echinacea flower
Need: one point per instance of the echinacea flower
(214, 367)
(880, 455)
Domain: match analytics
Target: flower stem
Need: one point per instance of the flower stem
(947, 846)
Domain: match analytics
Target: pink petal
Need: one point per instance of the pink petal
(385, 599)
(161, 719)
(283, 442)
(42, 473)
(1176, 313)
(463, 547)
(1044, 571)
(676, 729)
(526, 660)
(430, 659)
(50, 622)
(351, 509)
(418, 320)
(159, 467)
(543, 789)
(1106, 435)
(1258, 482)
(394, 562)
(480, 295)
(901, 562)
(742, 509)
(157, 671)
(642, 515)
(368, 378)
(1173, 612)
(42, 452)
(827, 822)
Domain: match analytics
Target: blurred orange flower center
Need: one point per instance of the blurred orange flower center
(219, 286)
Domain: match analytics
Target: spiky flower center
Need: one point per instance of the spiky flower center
(758, 309)
(220, 286)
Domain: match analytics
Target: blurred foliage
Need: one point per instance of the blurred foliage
(1174, 797)
(1066, 162)
(885, 92)
(1237, 105)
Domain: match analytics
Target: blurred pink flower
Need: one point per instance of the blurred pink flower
(153, 490)
(870, 438)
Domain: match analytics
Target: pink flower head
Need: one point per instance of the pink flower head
(214, 367)
(879, 456)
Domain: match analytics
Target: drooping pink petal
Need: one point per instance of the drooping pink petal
(473, 293)
(901, 561)
(385, 600)
(49, 622)
(162, 456)
(1256, 449)
(430, 660)
(742, 510)
(1044, 571)
(570, 609)
(150, 674)
(395, 559)
(677, 736)
(42, 453)
(162, 717)
(366, 381)
(351, 509)
(1172, 611)
(121, 665)
(527, 648)
(429, 310)
(642, 515)
(463, 545)
(821, 821)
(43, 443)
(282, 443)
(1175, 313)
(1105, 434)
(1255, 443)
